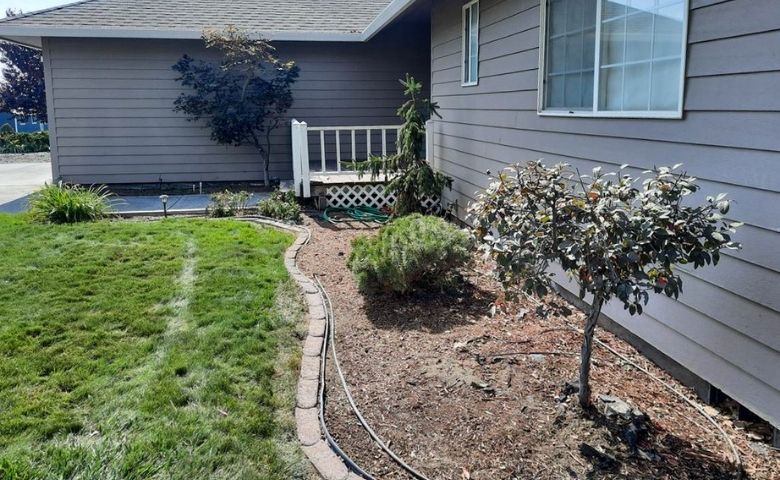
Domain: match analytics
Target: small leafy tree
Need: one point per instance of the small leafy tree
(22, 90)
(412, 177)
(244, 97)
(616, 237)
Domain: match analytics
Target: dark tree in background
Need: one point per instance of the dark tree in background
(243, 97)
(22, 92)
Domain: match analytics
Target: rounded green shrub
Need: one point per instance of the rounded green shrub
(415, 252)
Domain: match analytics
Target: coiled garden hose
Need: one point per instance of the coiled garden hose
(331, 337)
(362, 213)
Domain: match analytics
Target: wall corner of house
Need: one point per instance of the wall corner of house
(48, 79)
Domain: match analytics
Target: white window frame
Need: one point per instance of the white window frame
(595, 112)
(463, 71)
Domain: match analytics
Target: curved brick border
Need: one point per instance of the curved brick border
(327, 463)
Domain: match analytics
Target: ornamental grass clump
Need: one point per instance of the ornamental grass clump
(614, 235)
(65, 203)
(411, 253)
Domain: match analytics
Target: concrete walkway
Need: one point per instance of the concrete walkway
(18, 181)
(151, 204)
(128, 205)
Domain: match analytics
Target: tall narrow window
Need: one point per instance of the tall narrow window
(570, 54)
(470, 74)
(614, 57)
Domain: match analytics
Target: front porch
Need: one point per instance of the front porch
(323, 163)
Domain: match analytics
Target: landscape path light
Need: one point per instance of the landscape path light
(164, 200)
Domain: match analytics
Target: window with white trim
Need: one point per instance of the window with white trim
(613, 57)
(470, 70)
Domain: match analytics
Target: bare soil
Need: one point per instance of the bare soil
(466, 385)
(41, 157)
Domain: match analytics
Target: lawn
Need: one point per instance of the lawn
(164, 349)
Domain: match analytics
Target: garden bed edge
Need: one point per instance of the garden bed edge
(327, 463)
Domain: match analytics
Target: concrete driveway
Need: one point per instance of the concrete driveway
(18, 180)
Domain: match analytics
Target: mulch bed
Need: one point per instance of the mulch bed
(468, 386)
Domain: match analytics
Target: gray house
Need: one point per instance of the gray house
(588, 82)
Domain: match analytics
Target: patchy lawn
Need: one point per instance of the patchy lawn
(132, 350)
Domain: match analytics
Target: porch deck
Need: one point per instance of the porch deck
(321, 154)
(338, 178)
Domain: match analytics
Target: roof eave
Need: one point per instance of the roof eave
(7, 31)
(32, 35)
(385, 17)
(25, 41)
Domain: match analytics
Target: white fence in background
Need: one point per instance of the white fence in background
(324, 154)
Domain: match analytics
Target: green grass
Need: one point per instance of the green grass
(133, 350)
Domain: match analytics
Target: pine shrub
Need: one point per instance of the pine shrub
(411, 253)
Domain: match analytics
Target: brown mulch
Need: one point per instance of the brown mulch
(468, 386)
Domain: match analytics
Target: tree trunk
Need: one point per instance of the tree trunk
(405, 204)
(587, 349)
(267, 165)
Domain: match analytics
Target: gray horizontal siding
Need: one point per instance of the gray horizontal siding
(114, 123)
(726, 326)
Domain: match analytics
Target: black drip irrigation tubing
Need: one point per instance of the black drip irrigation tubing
(330, 338)
(328, 437)
(321, 387)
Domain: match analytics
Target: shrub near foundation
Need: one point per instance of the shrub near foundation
(616, 236)
(70, 204)
(282, 206)
(412, 253)
(228, 204)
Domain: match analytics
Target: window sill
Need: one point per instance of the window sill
(469, 84)
(630, 115)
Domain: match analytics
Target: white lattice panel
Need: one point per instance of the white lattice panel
(370, 195)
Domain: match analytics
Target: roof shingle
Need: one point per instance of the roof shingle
(257, 16)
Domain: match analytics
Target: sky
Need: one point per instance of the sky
(29, 5)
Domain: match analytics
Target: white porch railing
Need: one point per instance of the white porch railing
(320, 153)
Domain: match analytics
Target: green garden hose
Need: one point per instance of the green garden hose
(363, 214)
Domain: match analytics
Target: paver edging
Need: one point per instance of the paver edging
(310, 435)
